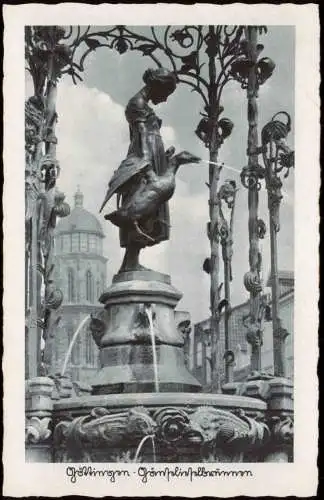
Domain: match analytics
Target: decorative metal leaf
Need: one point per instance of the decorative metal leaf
(146, 48)
(212, 42)
(222, 304)
(232, 48)
(184, 38)
(189, 62)
(263, 29)
(241, 68)
(206, 266)
(226, 125)
(121, 45)
(92, 43)
(259, 48)
(40, 323)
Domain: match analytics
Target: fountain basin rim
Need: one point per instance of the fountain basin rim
(139, 291)
(174, 399)
(142, 275)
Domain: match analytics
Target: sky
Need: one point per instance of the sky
(93, 139)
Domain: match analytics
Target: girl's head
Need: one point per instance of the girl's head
(161, 83)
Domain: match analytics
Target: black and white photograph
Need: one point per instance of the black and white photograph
(161, 266)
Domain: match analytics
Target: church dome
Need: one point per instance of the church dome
(79, 220)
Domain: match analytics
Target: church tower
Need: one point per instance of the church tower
(80, 272)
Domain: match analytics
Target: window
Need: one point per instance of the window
(76, 349)
(70, 337)
(208, 373)
(103, 282)
(89, 287)
(66, 243)
(76, 352)
(83, 242)
(89, 350)
(199, 354)
(92, 243)
(101, 285)
(69, 334)
(75, 242)
(71, 285)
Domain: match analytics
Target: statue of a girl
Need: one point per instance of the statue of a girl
(146, 148)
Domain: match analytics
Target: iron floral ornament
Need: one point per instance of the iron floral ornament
(46, 55)
(202, 58)
(205, 58)
(278, 157)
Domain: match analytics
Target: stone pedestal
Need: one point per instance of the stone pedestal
(281, 395)
(38, 411)
(125, 340)
(277, 392)
(280, 417)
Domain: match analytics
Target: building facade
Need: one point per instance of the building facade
(80, 272)
(200, 351)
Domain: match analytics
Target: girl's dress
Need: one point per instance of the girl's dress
(158, 226)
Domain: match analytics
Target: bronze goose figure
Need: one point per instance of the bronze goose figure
(152, 191)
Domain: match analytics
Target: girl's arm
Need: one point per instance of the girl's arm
(144, 144)
(137, 113)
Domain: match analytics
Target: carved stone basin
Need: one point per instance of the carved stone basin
(159, 427)
(127, 417)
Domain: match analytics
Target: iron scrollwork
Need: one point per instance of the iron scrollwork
(252, 72)
(277, 156)
(184, 327)
(180, 49)
(227, 195)
(46, 56)
(201, 57)
(255, 324)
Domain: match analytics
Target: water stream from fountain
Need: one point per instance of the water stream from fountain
(139, 448)
(71, 345)
(149, 314)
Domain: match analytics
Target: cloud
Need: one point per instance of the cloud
(92, 140)
(169, 136)
(29, 87)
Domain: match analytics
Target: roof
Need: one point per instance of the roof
(286, 282)
(79, 220)
(286, 277)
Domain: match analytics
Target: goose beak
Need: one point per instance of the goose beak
(191, 160)
(186, 158)
(195, 159)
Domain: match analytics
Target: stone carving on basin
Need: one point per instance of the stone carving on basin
(37, 429)
(167, 434)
